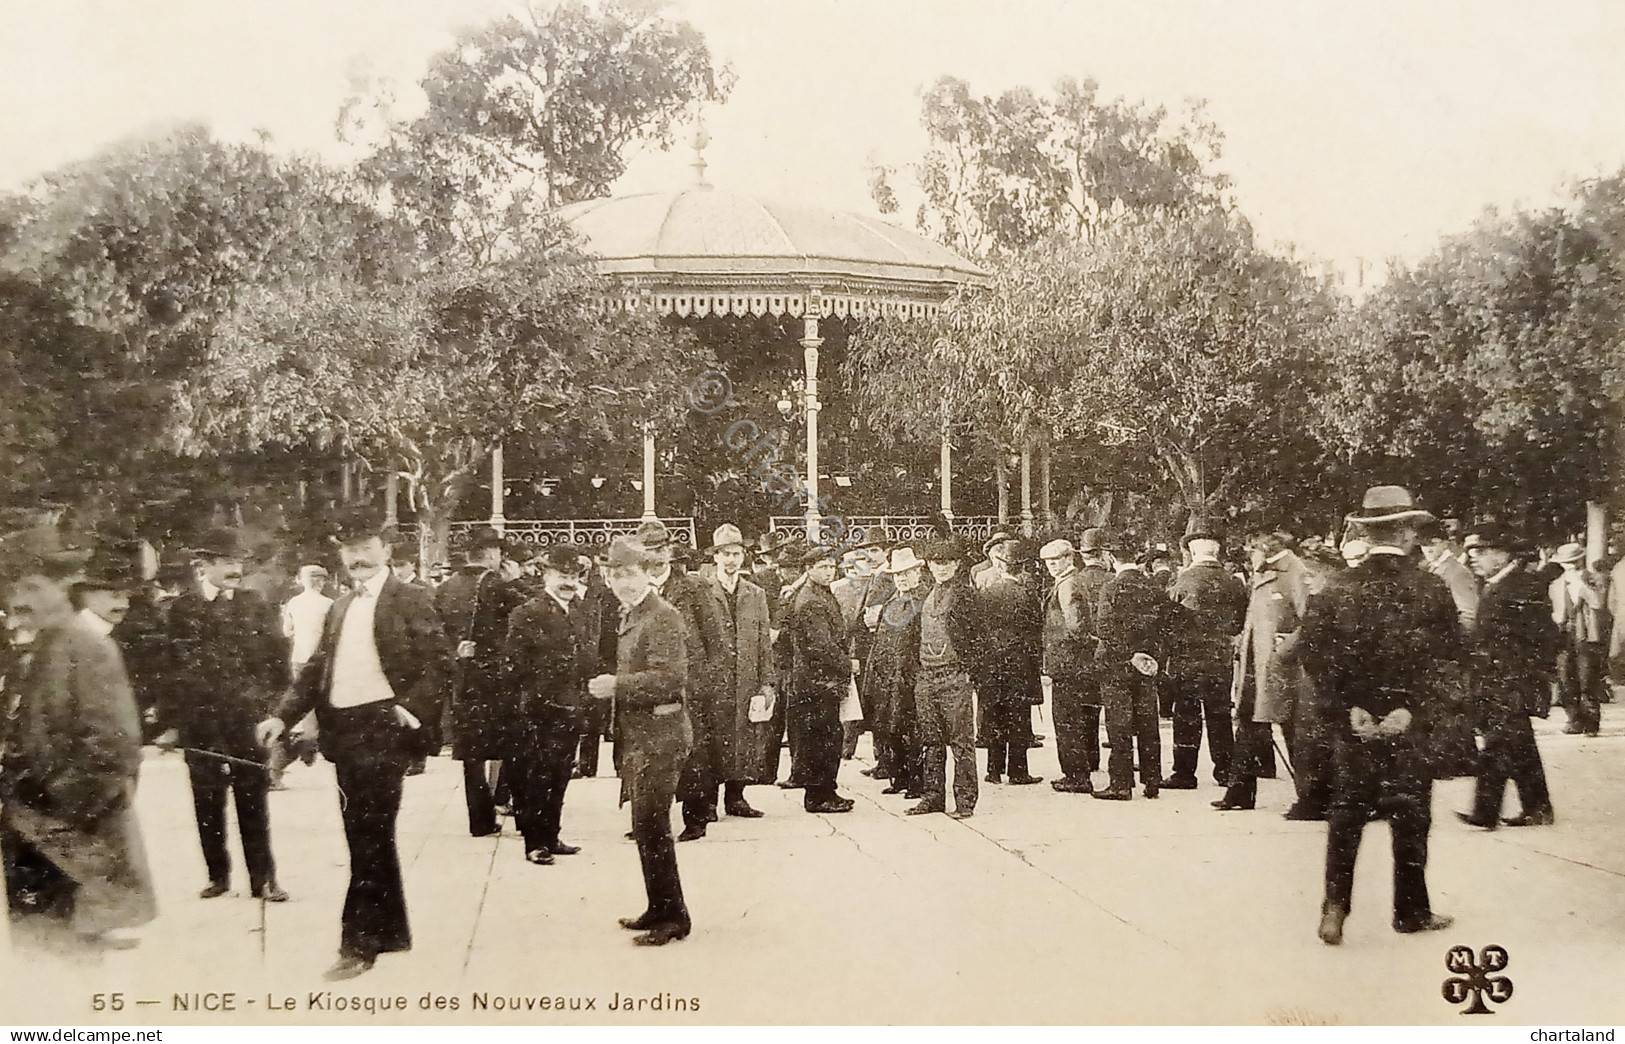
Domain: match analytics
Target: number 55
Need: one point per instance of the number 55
(107, 1002)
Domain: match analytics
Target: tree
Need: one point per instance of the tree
(531, 112)
(428, 373)
(1003, 173)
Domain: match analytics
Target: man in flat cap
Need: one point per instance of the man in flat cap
(1380, 640)
(71, 752)
(950, 644)
(229, 667)
(548, 655)
(692, 598)
(474, 606)
(820, 673)
(746, 676)
(1069, 661)
(376, 683)
(1513, 651)
(1217, 608)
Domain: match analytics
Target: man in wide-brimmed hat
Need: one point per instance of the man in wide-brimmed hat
(734, 758)
(1377, 641)
(229, 668)
(1217, 604)
(72, 751)
(891, 669)
(1579, 597)
(1514, 649)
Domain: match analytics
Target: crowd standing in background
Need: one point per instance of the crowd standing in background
(1363, 667)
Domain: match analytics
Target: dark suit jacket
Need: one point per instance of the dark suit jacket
(228, 668)
(652, 731)
(691, 596)
(1514, 647)
(818, 642)
(1217, 610)
(548, 658)
(475, 605)
(1133, 614)
(416, 660)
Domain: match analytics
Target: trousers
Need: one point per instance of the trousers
(1202, 697)
(1581, 675)
(946, 721)
(1388, 776)
(1008, 727)
(482, 806)
(651, 783)
(211, 778)
(1131, 721)
(1509, 753)
(1075, 703)
(819, 760)
(538, 778)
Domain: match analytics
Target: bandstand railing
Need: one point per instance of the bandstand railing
(891, 528)
(580, 532)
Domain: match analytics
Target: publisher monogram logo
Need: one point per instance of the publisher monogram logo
(1473, 979)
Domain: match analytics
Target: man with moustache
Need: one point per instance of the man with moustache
(549, 654)
(475, 606)
(70, 747)
(653, 732)
(820, 674)
(376, 683)
(746, 674)
(1069, 654)
(893, 669)
(1378, 641)
(1513, 650)
(1217, 604)
(229, 666)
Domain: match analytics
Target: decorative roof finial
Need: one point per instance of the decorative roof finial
(701, 140)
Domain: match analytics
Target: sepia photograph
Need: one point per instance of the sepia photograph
(779, 513)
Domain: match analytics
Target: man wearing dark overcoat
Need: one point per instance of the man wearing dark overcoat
(1216, 604)
(376, 683)
(228, 668)
(603, 615)
(1514, 646)
(1009, 678)
(1069, 661)
(1381, 640)
(745, 674)
(820, 673)
(474, 606)
(653, 732)
(950, 642)
(548, 656)
(691, 595)
(893, 667)
(70, 751)
(1136, 623)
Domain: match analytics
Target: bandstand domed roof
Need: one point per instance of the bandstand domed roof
(705, 242)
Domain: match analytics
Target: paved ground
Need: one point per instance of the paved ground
(1043, 908)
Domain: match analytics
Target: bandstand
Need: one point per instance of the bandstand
(705, 252)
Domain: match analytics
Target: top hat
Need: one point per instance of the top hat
(654, 535)
(903, 559)
(1568, 554)
(1389, 504)
(1056, 549)
(1092, 539)
(217, 542)
(727, 535)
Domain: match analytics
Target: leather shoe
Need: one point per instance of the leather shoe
(961, 813)
(1331, 926)
(112, 939)
(1025, 781)
(1177, 782)
(923, 809)
(836, 805)
(1434, 923)
(216, 888)
(539, 856)
(641, 923)
(742, 810)
(1470, 820)
(692, 832)
(791, 784)
(559, 848)
(271, 893)
(711, 814)
(895, 788)
(662, 933)
(348, 966)
(1539, 817)
(992, 777)
(1115, 794)
(1299, 814)
(1073, 786)
(1151, 790)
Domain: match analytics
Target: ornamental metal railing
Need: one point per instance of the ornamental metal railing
(853, 530)
(580, 532)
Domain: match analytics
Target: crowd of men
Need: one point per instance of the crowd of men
(1379, 659)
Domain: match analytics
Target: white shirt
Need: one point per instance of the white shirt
(358, 674)
(211, 592)
(95, 623)
(302, 619)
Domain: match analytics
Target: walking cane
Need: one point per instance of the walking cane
(1282, 752)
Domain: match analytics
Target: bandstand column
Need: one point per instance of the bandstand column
(649, 471)
(497, 521)
(810, 343)
(946, 475)
(1000, 477)
(392, 498)
(1044, 507)
(1027, 488)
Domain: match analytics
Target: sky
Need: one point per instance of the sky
(1354, 131)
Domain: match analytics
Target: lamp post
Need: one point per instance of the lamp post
(810, 343)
